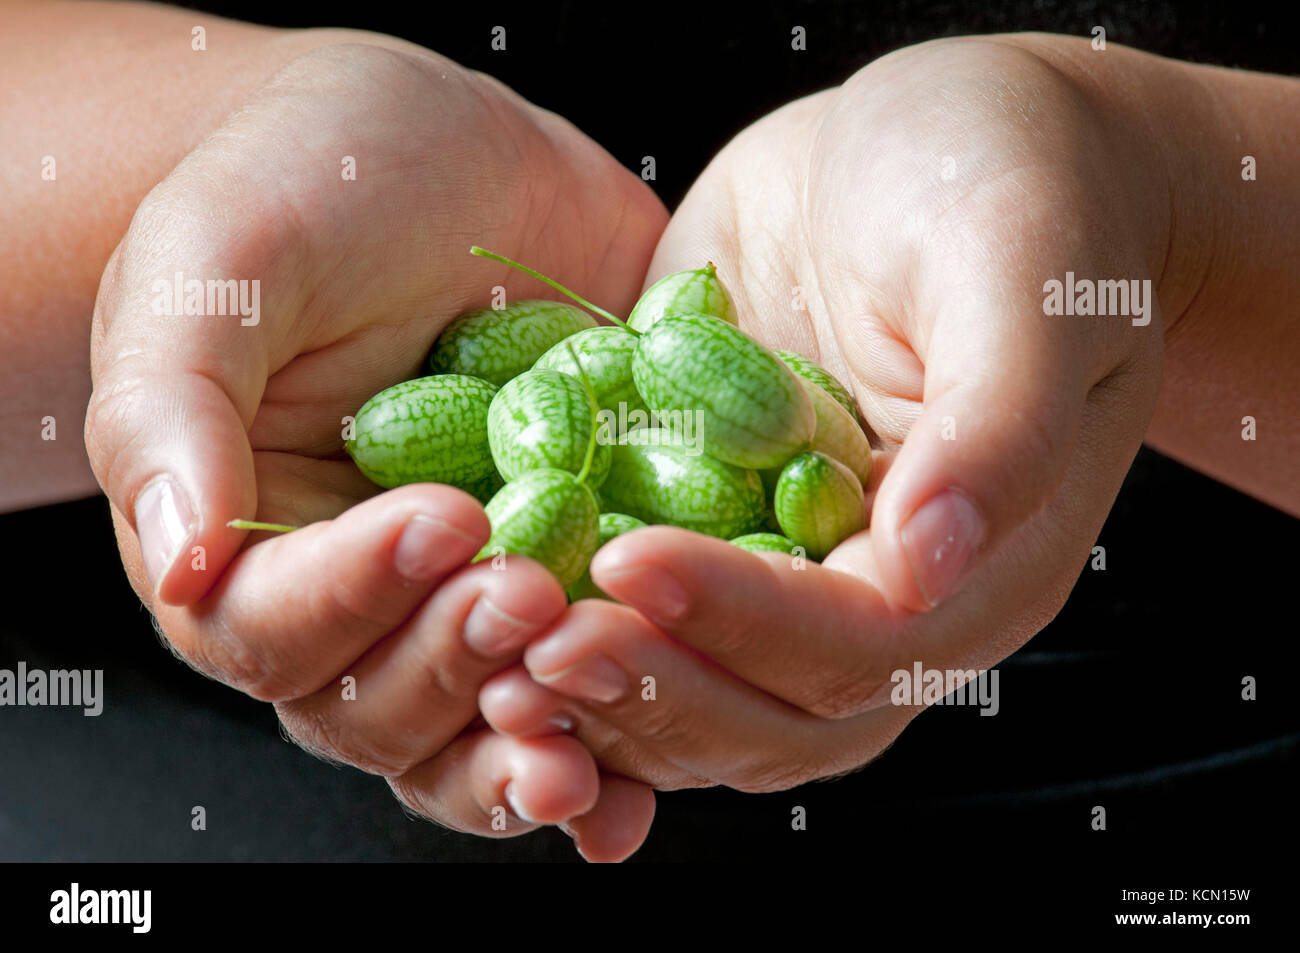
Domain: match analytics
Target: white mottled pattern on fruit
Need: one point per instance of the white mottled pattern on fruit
(433, 429)
(500, 345)
(683, 292)
(605, 354)
(548, 516)
(814, 373)
(819, 503)
(763, 543)
(756, 413)
(544, 419)
(838, 434)
(665, 484)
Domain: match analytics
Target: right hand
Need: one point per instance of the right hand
(197, 420)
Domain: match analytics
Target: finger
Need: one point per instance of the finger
(298, 490)
(415, 690)
(1004, 395)
(686, 709)
(823, 640)
(617, 826)
(293, 610)
(513, 704)
(488, 784)
(174, 392)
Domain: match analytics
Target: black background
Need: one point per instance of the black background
(1130, 699)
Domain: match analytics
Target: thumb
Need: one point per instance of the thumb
(166, 428)
(1002, 405)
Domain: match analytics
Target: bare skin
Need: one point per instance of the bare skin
(921, 292)
(196, 420)
(926, 295)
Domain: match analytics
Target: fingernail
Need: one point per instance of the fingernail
(514, 804)
(595, 679)
(573, 834)
(490, 631)
(940, 540)
(655, 593)
(561, 722)
(418, 553)
(164, 521)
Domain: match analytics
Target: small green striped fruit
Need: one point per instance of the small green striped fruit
(838, 434)
(753, 411)
(548, 516)
(605, 353)
(499, 345)
(763, 543)
(543, 419)
(819, 503)
(658, 479)
(429, 430)
(611, 525)
(814, 373)
(684, 292)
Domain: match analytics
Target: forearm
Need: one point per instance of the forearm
(1229, 285)
(1234, 351)
(98, 102)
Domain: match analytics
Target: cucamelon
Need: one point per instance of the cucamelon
(499, 345)
(432, 429)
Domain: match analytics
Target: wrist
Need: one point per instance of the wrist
(1142, 101)
(1224, 169)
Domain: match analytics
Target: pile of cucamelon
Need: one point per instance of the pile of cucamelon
(572, 432)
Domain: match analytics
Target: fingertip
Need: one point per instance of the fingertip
(552, 780)
(418, 533)
(457, 510)
(925, 551)
(618, 825)
(513, 704)
(524, 590)
(895, 575)
(182, 556)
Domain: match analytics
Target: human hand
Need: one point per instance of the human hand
(916, 213)
(196, 420)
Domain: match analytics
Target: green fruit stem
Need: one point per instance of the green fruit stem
(595, 412)
(484, 253)
(269, 527)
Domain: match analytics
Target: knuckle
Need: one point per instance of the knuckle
(236, 662)
(675, 779)
(769, 776)
(847, 694)
(113, 415)
(318, 730)
(441, 683)
(732, 633)
(660, 724)
(425, 805)
(317, 735)
(338, 605)
(620, 753)
(1045, 439)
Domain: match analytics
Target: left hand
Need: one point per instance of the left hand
(925, 295)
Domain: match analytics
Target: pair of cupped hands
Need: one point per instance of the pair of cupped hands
(898, 229)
